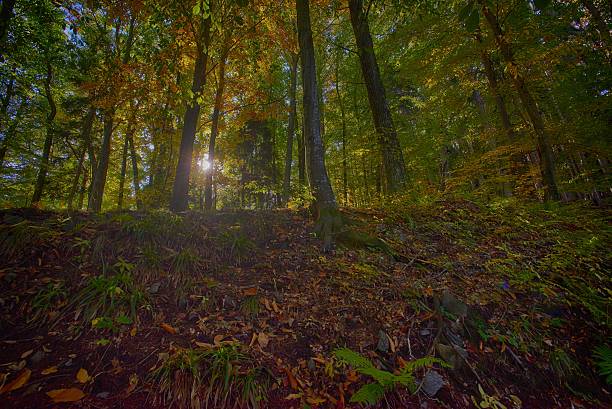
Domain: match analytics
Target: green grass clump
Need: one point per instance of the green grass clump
(218, 377)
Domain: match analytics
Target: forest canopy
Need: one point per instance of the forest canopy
(146, 104)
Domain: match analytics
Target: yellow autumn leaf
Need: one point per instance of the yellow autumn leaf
(22, 378)
(66, 395)
(82, 376)
(50, 370)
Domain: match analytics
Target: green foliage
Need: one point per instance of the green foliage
(250, 305)
(236, 243)
(18, 239)
(186, 261)
(372, 393)
(46, 300)
(603, 355)
(219, 377)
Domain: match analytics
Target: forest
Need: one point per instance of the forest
(305, 204)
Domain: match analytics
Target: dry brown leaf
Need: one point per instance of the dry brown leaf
(263, 339)
(217, 339)
(27, 354)
(275, 307)
(133, 383)
(293, 396)
(291, 379)
(250, 291)
(22, 378)
(133, 332)
(315, 401)
(50, 370)
(168, 328)
(266, 304)
(82, 376)
(253, 339)
(203, 344)
(66, 395)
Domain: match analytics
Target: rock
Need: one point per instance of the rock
(432, 382)
(450, 355)
(383, 342)
(182, 304)
(453, 305)
(154, 288)
(103, 395)
(37, 357)
(312, 365)
(424, 332)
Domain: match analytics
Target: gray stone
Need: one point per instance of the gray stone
(453, 305)
(383, 342)
(154, 288)
(432, 382)
(37, 357)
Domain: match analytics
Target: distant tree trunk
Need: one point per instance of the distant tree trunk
(124, 155)
(83, 188)
(301, 156)
(99, 178)
(135, 177)
(180, 192)
(547, 167)
(494, 88)
(393, 159)
(602, 27)
(214, 130)
(85, 142)
(44, 163)
(290, 128)
(343, 118)
(6, 13)
(328, 218)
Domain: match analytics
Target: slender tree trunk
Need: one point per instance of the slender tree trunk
(301, 157)
(85, 142)
(547, 167)
(393, 159)
(83, 188)
(214, 130)
(180, 193)
(6, 13)
(99, 177)
(123, 172)
(44, 163)
(290, 128)
(343, 118)
(135, 177)
(328, 218)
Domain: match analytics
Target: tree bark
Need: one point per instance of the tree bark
(180, 192)
(328, 218)
(301, 156)
(135, 177)
(214, 131)
(99, 177)
(124, 155)
(547, 168)
(85, 142)
(393, 159)
(44, 163)
(290, 128)
(6, 13)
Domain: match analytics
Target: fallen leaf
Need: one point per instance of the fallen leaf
(66, 395)
(217, 339)
(266, 304)
(275, 307)
(168, 328)
(133, 383)
(18, 382)
(82, 376)
(250, 291)
(315, 401)
(203, 344)
(263, 339)
(50, 370)
(253, 339)
(133, 332)
(27, 354)
(291, 379)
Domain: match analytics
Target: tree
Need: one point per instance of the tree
(328, 218)
(180, 192)
(393, 159)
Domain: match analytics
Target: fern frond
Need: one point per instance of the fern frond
(369, 394)
(423, 362)
(383, 377)
(353, 358)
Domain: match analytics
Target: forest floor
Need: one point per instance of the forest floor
(140, 310)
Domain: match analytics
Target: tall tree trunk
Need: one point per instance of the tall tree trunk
(6, 13)
(547, 167)
(124, 155)
(85, 142)
(214, 130)
(180, 192)
(99, 177)
(135, 177)
(393, 159)
(290, 128)
(494, 88)
(83, 188)
(328, 218)
(343, 118)
(44, 163)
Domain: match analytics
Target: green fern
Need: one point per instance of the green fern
(604, 362)
(372, 393)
